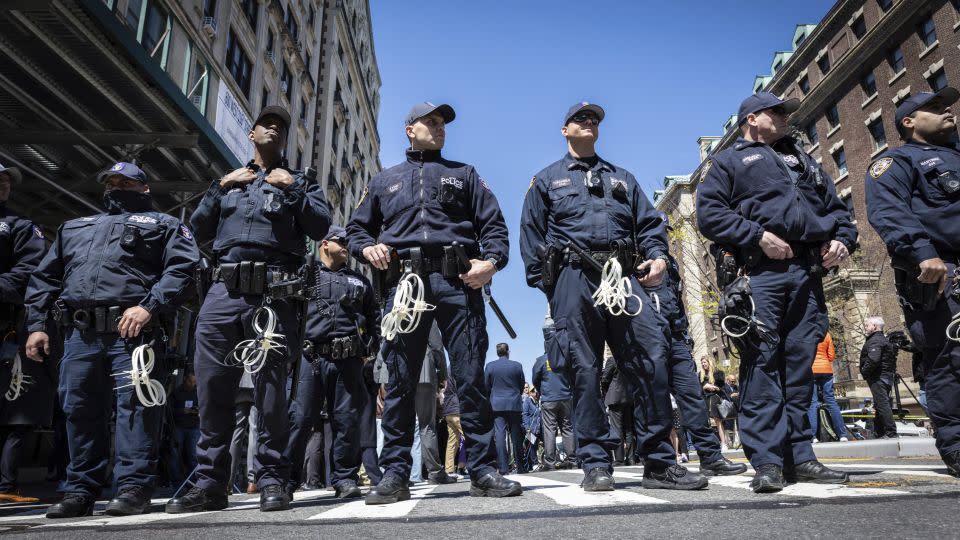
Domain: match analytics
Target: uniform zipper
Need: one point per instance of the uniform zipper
(423, 210)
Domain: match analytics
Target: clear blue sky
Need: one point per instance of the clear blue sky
(665, 72)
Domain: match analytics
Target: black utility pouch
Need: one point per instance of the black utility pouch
(258, 278)
(113, 318)
(230, 275)
(245, 277)
(913, 294)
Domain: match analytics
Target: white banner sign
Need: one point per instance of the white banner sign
(233, 124)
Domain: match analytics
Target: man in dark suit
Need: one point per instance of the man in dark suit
(505, 382)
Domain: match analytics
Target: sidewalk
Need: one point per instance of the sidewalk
(874, 448)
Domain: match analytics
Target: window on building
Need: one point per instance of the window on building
(303, 111)
(840, 159)
(250, 10)
(884, 5)
(848, 200)
(291, 23)
(264, 98)
(336, 137)
(312, 15)
(895, 59)
(307, 59)
(928, 33)
(270, 39)
(938, 80)
(833, 115)
(877, 133)
(286, 81)
(238, 64)
(804, 84)
(156, 28)
(209, 8)
(195, 78)
(811, 131)
(824, 63)
(132, 17)
(859, 27)
(869, 84)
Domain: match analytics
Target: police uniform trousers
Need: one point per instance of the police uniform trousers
(941, 359)
(224, 321)
(640, 348)
(462, 321)
(90, 380)
(368, 435)
(339, 385)
(776, 379)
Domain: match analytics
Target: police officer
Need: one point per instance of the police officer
(343, 327)
(765, 194)
(409, 217)
(684, 383)
(28, 401)
(913, 202)
(259, 217)
(584, 202)
(109, 279)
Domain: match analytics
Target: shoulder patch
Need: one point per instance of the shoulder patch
(485, 185)
(37, 231)
(185, 232)
(532, 181)
(354, 281)
(363, 196)
(880, 166)
(4, 227)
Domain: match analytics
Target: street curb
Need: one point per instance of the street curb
(875, 448)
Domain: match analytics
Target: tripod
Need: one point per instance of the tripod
(896, 394)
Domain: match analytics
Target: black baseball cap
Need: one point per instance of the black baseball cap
(274, 110)
(123, 168)
(422, 109)
(583, 106)
(947, 95)
(13, 173)
(337, 234)
(762, 101)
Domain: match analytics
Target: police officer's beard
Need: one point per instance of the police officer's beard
(120, 200)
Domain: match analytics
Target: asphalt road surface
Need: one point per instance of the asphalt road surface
(903, 498)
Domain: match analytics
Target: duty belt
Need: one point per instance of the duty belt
(351, 346)
(250, 277)
(101, 319)
(571, 258)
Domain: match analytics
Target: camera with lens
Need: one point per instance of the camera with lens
(899, 339)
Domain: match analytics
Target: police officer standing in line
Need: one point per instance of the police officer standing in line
(420, 208)
(913, 202)
(108, 280)
(766, 194)
(343, 327)
(259, 217)
(21, 249)
(588, 203)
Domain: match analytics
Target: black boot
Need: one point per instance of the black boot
(129, 501)
(391, 489)
(952, 461)
(813, 471)
(273, 498)
(72, 505)
(768, 479)
(722, 467)
(598, 479)
(494, 485)
(197, 500)
(440, 477)
(672, 477)
(347, 489)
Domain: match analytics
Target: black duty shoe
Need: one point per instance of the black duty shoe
(597, 479)
(768, 479)
(273, 498)
(952, 461)
(722, 467)
(72, 505)
(672, 477)
(815, 472)
(347, 489)
(129, 501)
(567, 464)
(391, 489)
(197, 500)
(440, 477)
(494, 485)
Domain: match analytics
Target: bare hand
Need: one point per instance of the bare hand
(833, 253)
(480, 273)
(710, 387)
(378, 256)
(933, 271)
(132, 321)
(38, 346)
(774, 247)
(735, 395)
(280, 178)
(657, 268)
(240, 176)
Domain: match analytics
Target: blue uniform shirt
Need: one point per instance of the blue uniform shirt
(429, 202)
(559, 207)
(262, 222)
(21, 249)
(748, 189)
(909, 202)
(329, 317)
(122, 258)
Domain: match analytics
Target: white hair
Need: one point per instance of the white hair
(876, 321)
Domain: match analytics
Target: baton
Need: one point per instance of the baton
(464, 260)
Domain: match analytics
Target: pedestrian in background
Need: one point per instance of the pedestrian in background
(823, 383)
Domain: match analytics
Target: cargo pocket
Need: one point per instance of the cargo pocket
(559, 356)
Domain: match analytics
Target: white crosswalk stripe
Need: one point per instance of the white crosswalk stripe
(567, 494)
(803, 489)
(358, 509)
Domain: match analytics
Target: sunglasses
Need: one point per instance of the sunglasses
(584, 118)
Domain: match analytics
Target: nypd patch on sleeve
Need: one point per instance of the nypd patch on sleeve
(185, 232)
(880, 166)
(37, 231)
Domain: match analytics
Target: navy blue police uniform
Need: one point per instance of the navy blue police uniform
(560, 208)
(98, 267)
(750, 188)
(425, 204)
(343, 327)
(254, 225)
(913, 202)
